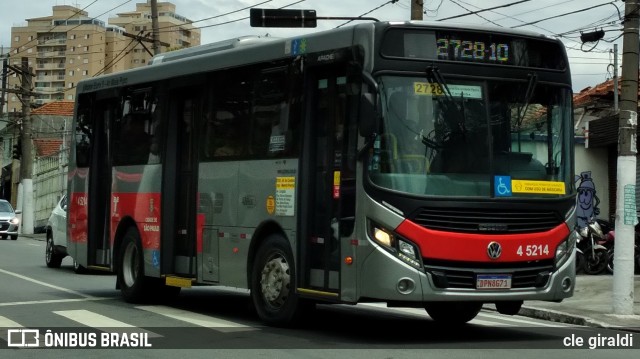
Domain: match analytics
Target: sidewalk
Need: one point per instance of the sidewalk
(591, 305)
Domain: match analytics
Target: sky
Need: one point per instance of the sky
(591, 63)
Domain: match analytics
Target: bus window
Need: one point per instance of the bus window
(84, 131)
(227, 131)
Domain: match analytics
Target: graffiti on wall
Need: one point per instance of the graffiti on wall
(587, 199)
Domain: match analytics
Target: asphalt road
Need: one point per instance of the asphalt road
(220, 323)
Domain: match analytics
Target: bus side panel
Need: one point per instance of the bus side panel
(78, 214)
(136, 195)
(235, 198)
(218, 193)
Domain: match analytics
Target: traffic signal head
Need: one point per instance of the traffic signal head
(17, 150)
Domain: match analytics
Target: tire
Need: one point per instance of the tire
(596, 264)
(14, 237)
(579, 262)
(51, 256)
(4, 237)
(273, 283)
(610, 261)
(134, 286)
(78, 268)
(453, 313)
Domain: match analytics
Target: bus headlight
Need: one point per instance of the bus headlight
(408, 253)
(564, 250)
(383, 237)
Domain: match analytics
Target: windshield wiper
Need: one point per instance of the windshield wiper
(451, 107)
(522, 110)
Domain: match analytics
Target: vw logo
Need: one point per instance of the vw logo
(494, 250)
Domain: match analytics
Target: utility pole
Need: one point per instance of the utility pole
(416, 9)
(25, 189)
(615, 78)
(626, 217)
(5, 75)
(154, 25)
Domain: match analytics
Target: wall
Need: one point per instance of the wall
(593, 160)
(50, 183)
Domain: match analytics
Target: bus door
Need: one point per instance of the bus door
(179, 192)
(329, 195)
(99, 192)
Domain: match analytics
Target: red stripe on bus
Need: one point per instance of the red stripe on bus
(145, 210)
(470, 247)
(200, 228)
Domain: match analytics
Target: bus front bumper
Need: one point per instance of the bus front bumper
(389, 279)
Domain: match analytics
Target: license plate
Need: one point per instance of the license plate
(493, 281)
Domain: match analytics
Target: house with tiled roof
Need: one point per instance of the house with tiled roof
(596, 121)
(51, 131)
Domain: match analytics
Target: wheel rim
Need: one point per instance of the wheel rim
(274, 281)
(130, 265)
(49, 250)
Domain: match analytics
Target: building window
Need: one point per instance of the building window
(85, 72)
(86, 36)
(86, 48)
(85, 61)
(71, 73)
(30, 50)
(70, 61)
(30, 38)
(70, 85)
(16, 39)
(72, 37)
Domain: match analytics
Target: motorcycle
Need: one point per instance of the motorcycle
(592, 256)
(610, 239)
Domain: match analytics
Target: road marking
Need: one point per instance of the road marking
(9, 324)
(101, 322)
(45, 284)
(9, 304)
(197, 319)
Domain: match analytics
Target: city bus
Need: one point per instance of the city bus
(418, 164)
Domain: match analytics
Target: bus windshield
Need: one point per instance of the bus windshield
(483, 138)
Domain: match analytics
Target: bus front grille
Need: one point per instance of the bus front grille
(443, 277)
(486, 220)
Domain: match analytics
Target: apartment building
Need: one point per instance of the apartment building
(69, 45)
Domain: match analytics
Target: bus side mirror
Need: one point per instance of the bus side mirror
(368, 115)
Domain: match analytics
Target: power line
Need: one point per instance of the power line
(476, 13)
(561, 15)
(483, 10)
(370, 11)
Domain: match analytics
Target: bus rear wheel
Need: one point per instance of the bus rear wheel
(131, 280)
(453, 313)
(273, 282)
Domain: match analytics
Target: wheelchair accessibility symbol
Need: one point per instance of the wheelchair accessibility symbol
(502, 186)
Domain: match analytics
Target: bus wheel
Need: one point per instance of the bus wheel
(454, 313)
(131, 280)
(273, 281)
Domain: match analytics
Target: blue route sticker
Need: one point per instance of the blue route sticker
(502, 186)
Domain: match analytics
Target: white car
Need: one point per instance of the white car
(9, 223)
(56, 248)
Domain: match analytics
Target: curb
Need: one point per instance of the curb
(562, 317)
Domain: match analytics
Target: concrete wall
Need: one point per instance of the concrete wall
(591, 174)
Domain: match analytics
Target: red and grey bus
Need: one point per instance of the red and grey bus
(417, 164)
